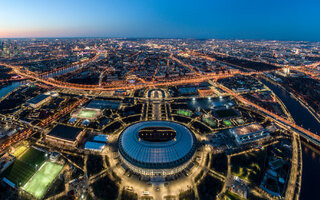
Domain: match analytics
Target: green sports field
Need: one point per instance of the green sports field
(41, 181)
(184, 112)
(33, 157)
(240, 121)
(89, 114)
(19, 150)
(227, 122)
(19, 173)
(211, 122)
(25, 166)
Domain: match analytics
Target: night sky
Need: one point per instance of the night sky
(225, 19)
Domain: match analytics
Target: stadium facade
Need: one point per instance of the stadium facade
(157, 148)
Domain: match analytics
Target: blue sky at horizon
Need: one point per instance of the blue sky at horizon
(226, 19)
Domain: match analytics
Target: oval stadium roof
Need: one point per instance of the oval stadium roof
(157, 155)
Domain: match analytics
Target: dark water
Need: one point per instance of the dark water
(13, 85)
(8, 88)
(63, 71)
(311, 159)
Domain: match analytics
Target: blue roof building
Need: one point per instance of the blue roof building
(94, 146)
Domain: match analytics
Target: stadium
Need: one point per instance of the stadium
(157, 148)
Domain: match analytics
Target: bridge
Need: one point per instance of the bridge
(197, 78)
(115, 86)
(306, 134)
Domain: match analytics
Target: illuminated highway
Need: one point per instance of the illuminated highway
(184, 64)
(303, 132)
(115, 86)
(82, 62)
(180, 81)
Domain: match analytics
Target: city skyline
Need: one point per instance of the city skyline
(266, 20)
(210, 119)
(159, 100)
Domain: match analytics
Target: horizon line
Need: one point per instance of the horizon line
(176, 38)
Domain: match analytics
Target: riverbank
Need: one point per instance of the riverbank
(296, 97)
(311, 160)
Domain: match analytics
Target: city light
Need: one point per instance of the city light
(159, 109)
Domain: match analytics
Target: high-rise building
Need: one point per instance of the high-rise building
(1, 46)
(15, 48)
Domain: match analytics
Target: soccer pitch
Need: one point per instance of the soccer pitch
(40, 182)
(89, 114)
(25, 166)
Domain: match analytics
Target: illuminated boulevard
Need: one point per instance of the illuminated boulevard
(309, 136)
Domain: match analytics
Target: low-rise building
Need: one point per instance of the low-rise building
(248, 133)
(38, 100)
(65, 136)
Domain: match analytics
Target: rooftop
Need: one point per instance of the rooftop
(38, 98)
(244, 130)
(102, 104)
(157, 154)
(65, 132)
(94, 146)
(100, 138)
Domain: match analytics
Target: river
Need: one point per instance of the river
(311, 159)
(8, 88)
(13, 85)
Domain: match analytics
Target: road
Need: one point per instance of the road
(188, 80)
(303, 132)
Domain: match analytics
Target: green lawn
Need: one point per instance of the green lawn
(89, 114)
(240, 121)
(40, 182)
(227, 122)
(249, 166)
(210, 122)
(233, 196)
(184, 112)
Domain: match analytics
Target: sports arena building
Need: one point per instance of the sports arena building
(157, 148)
